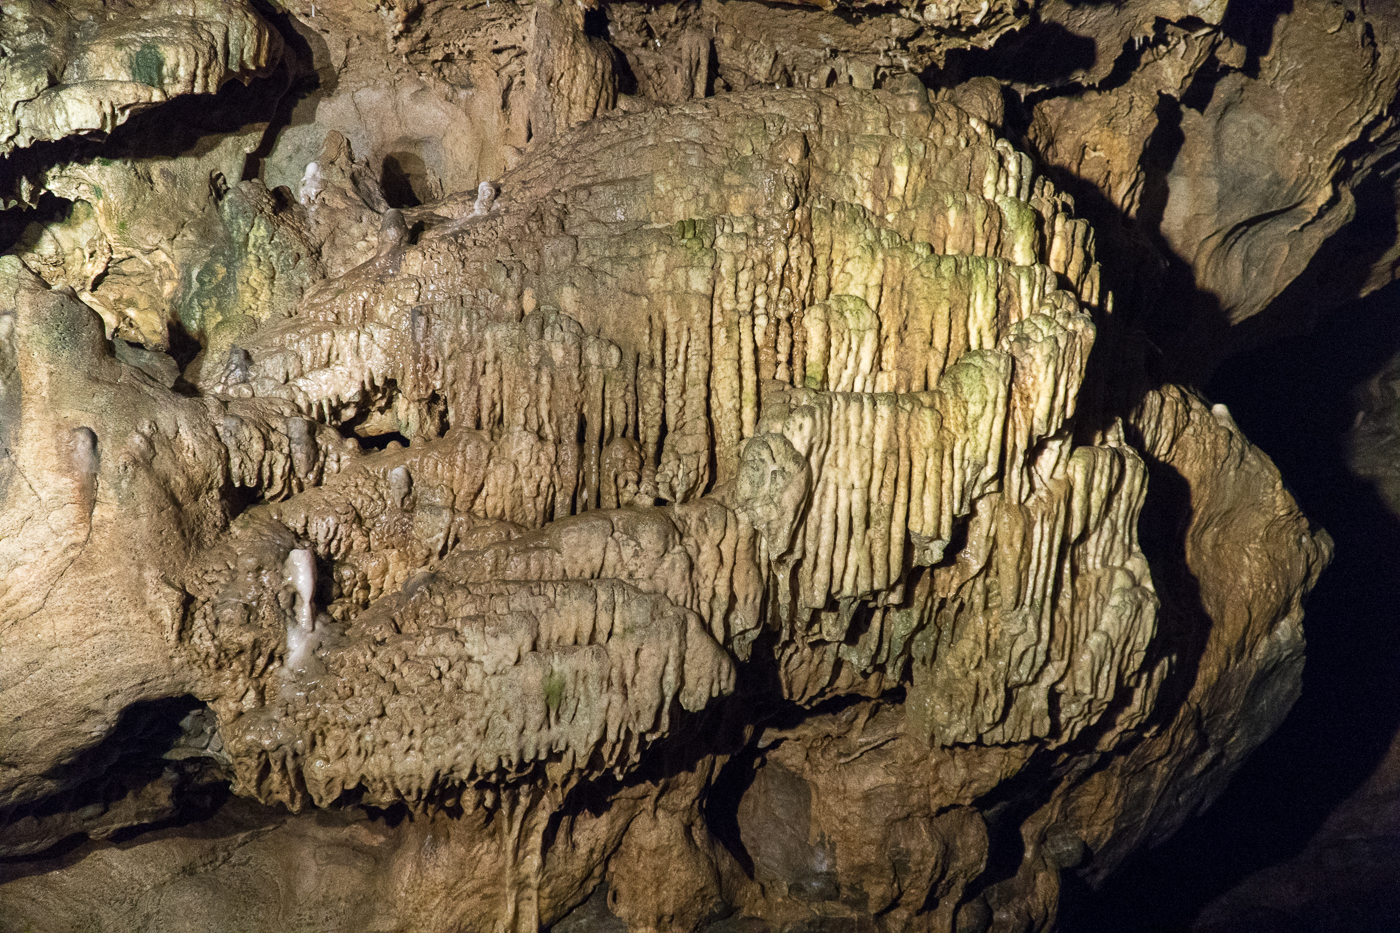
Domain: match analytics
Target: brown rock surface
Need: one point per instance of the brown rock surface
(1340, 872)
(84, 66)
(1237, 140)
(522, 449)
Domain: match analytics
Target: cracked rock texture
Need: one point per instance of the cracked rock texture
(491, 451)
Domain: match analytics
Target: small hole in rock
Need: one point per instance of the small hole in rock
(382, 441)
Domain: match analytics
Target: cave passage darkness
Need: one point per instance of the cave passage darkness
(1298, 400)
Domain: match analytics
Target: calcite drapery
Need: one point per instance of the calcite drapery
(795, 394)
(862, 340)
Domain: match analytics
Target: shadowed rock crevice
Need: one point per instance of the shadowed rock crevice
(1318, 388)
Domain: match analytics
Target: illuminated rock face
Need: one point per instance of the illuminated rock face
(733, 405)
(554, 503)
(81, 67)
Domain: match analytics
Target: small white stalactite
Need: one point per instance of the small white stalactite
(485, 197)
(1222, 415)
(300, 574)
(311, 184)
(400, 485)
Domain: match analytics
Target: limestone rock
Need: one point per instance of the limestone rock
(80, 67)
(1235, 147)
(759, 485)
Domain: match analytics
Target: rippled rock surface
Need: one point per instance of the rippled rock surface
(741, 486)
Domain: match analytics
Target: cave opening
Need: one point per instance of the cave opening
(382, 441)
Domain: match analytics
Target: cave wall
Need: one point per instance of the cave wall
(461, 457)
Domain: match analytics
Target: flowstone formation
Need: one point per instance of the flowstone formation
(84, 66)
(729, 485)
(734, 408)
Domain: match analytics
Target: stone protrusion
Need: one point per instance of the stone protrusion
(61, 79)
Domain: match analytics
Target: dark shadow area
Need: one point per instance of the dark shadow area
(595, 24)
(1252, 26)
(721, 807)
(402, 176)
(194, 123)
(1163, 146)
(1047, 53)
(145, 730)
(189, 125)
(305, 82)
(128, 759)
(51, 209)
(382, 441)
(1005, 809)
(626, 77)
(1295, 398)
(1183, 627)
(183, 347)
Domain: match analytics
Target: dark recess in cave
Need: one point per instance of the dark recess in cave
(1297, 400)
(130, 756)
(402, 178)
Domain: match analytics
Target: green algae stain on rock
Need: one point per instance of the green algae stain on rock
(553, 691)
(213, 290)
(147, 66)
